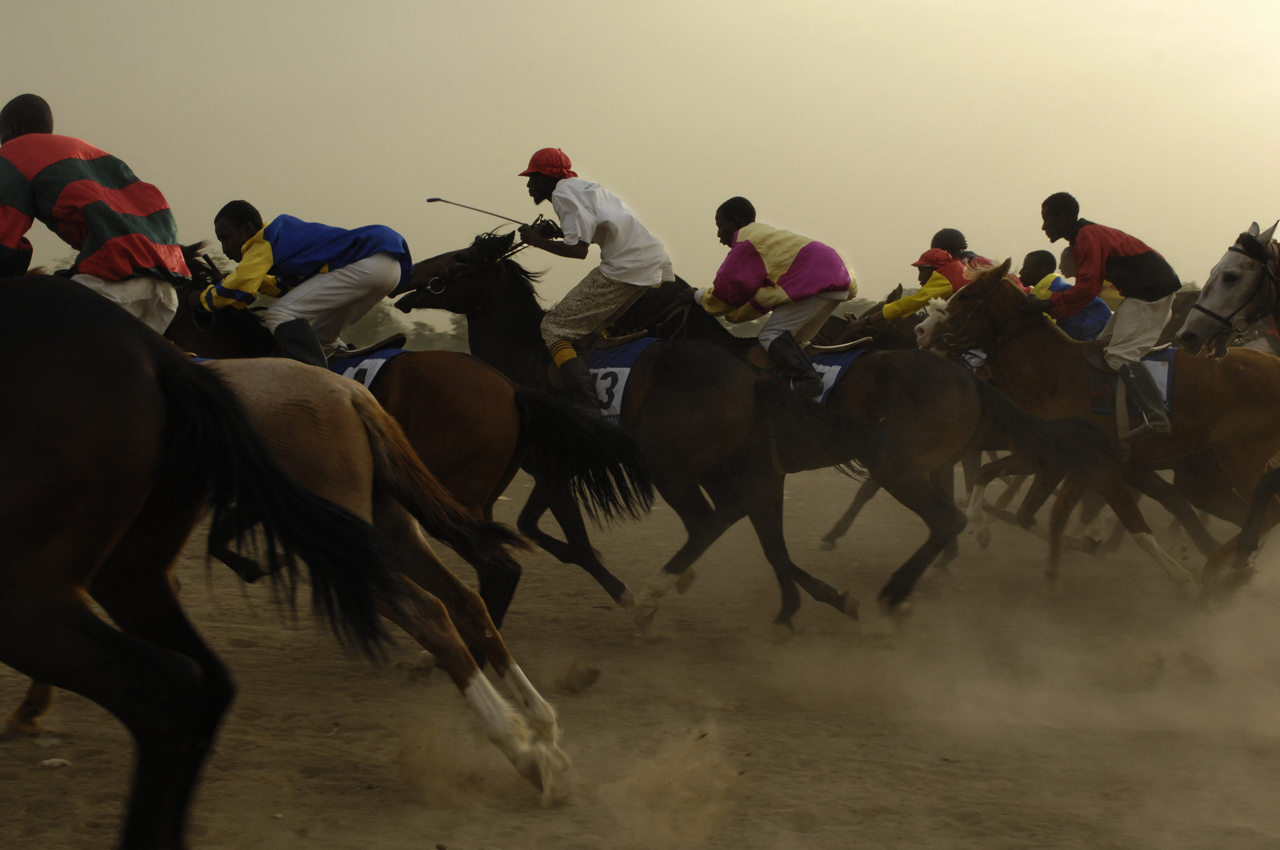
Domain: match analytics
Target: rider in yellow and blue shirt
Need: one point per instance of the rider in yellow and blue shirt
(1039, 272)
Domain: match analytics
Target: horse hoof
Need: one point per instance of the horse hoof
(826, 545)
(685, 581)
(642, 616)
(849, 605)
(896, 611)
(782, 632)
(16, 727)
(984, 537)
(627, 601)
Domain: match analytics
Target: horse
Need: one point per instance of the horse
(1243, 290)
(332, 436)
(474, 430)
(924, 411)
(1216, 409)
(112, 446)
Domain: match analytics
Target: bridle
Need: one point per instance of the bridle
(438, 284)
(1237, 321)
(952, 341)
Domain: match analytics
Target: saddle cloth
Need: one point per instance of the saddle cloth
(832, 366)
(1102, 385)
(364, 369)
(612, 367)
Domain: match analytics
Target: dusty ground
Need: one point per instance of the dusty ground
(1113, 716)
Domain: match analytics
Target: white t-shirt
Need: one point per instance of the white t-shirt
(591, 213)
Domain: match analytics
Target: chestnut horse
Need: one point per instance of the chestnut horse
(1223, 409)
(111, 447)
(926, 411)
(1243, 290)
(474, 430)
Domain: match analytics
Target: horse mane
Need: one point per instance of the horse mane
(496, 248)
(205, 274)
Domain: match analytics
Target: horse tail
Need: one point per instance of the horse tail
(210, 440)
(805, 435)
(605, 468)
(1069, 444)
(398, 469)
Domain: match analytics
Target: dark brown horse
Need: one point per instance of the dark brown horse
(474, 429)
(928, 412)
(1229, 409)
(111, 446)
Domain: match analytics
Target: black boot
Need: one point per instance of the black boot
(793, 368)
(1140, 382)
(296, 341)
(580, 384)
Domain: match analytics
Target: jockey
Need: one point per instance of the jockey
(1039, 266)
(941, 272)
(797, 281)
(326, 278)
(631, 260)
(122, 227)
(1142, 276)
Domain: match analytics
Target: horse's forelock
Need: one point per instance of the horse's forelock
(1253, 247)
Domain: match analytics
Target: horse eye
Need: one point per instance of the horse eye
(1231, 277)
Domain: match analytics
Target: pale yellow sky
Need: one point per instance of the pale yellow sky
(868, 125)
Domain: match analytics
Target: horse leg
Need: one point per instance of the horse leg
(1151, 484)
(467, 611)
(945, 521)
(975, 517)
(945, 478)
(1072, 488)
(1247, 540)
(1116, 491)
(704, 525)
(25, 719)
(426, 620)
(866, 492)
(1006, 498)
(766, 517)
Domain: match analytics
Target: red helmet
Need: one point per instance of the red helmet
(549, 161)
(934, 258)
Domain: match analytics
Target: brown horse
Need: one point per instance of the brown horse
(332, 436)
(926, 411)
(1218, 407)
(474, 429)
(112, 445)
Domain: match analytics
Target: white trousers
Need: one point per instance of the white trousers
(332, 301)
(153, 301)
(803, 318)
(1133, 329)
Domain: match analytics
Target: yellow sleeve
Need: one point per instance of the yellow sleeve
(240, 288)
(936, 286)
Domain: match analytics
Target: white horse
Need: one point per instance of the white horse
(1242, 289)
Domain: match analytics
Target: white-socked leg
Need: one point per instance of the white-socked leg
(647, 604)
(508, 732)
(1176, 571)
(538, 713)
(975, 516)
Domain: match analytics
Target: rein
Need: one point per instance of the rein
(1267, 285)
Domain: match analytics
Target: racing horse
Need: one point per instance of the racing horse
(1243, 289)
(474, 430)
(332, 436)
(1228, 410)
(111, 448)
(924, 411)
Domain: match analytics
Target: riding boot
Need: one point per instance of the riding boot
(296, 341)
(1140, 382)
(580, 384)
(793, 368)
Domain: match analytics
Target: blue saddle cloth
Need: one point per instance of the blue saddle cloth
(365, 369)
(832, 367)
(1102, 385)
(612, 367)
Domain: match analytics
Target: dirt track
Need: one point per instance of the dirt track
(996, 716)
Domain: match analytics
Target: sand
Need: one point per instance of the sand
(996, 715)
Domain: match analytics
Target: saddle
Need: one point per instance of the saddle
(1106, 387)
(393, 341)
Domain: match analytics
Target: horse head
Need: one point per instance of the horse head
(225, 333)
(974, 313)
(1241, 290)
(469, 279)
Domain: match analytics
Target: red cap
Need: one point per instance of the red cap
(549, 161)
(934, 258)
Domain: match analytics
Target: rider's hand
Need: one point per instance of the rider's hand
(193, 298)
(1035, 304)
(548, 229)
(530, 235)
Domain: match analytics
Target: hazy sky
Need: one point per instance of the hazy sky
(868, 125)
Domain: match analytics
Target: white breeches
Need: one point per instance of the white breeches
(803, 319)
(1133, 329)
(153, 301)
(332, 301)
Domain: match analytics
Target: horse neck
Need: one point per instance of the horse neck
(232, 335)
(506, 332)
(1031, 367)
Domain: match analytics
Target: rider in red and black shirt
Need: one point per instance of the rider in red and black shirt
(122, 227)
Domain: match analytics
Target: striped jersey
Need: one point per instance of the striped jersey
(122, 227)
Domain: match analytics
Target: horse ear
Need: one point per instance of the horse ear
(507, 241)
(1265, 237)
(1253, 229)
(894, 295)
(1003, 269)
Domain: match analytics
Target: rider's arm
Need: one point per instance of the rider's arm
(936, 286)
(241, 287)
(737, 281)
(16, 204)
(1087, 252)
(576, 251)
